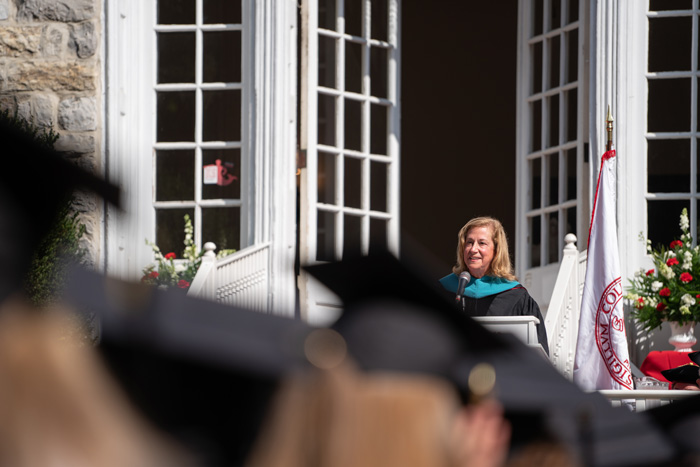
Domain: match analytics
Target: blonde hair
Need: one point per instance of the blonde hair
(59, 406)
(344, 418)
(500, 265)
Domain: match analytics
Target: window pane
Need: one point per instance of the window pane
(222, 57)
(352, 235)
(377, 235)
(378, 129)
(553, 169)
(573, 11)
(222, 11)
(176, 12)
(536, 121)
(326, 61)
(570, 110)
(554, 14)
(571, 225)
(221, 115)
(325, 236)
(670, 41)
(669, 105)
(668, 166)
(537, 15)
(662, 220)
(176, 57)
(228, 183)
(379, 64)
(378, 185)
(554, 61)
(536, 50)
(570, 171)
(353, 18)
(353, 67)
(553, 238)
(571, 56)
(222, 226)
(170, 230)
(535, 241)
(326, 120)
(326, 14)
(553, 120)
(660, 5)
(353, 124)
(380, 20)
(353, 182)
(175, 116)
(174, 175)
(536, 183)
(326, 177)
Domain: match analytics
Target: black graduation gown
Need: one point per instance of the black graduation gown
(514, 302)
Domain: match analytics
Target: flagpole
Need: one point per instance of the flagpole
(609, 128)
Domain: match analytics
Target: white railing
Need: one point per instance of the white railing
(240, 279)
(643, 399)
(564, 309)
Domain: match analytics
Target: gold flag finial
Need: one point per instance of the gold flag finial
(609, 128)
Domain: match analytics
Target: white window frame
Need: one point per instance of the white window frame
(268, 134)
(540, 279)
(318, 305)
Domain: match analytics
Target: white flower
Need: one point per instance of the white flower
(670, 254)
(684, 310)
(639, 273)
(667, 272)
(656, 286)
(632, 296)
(652, 302)
(688, 300)
(684, 223)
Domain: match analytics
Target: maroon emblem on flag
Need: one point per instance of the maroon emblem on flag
(606, 325)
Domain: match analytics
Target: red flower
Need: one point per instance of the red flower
(650, 272)
(183, 284)
(671, 261)
(153, 274)
(170, 255)
(686, 277)
(665, 292)
(676, 243)
(660, 307)
(640, 303)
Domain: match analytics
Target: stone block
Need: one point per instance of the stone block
(53, 40)
(52, 10)
(38, 109)
(78, 114)
(20, 42)
(37, 76)
(84, 39)
(4, 9)
(72, 144)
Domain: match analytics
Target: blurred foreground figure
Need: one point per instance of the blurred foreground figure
(58, 405)
(342, 417)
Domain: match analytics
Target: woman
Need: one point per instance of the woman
(482, 250)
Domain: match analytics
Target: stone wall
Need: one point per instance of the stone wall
(50, 74)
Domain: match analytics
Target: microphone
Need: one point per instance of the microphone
(464, 279)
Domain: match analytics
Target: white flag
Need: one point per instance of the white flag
(602, 358)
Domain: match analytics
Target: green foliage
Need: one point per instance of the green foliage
(59, 248)
(62, 243)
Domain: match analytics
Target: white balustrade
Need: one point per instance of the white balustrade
(643, 399)
(240, 279)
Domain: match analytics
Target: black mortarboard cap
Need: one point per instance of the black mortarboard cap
(202, 372)
(395, 319)
(34, 182)
(687, 373)
(681, 420)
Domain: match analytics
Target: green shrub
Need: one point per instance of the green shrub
(61, 245)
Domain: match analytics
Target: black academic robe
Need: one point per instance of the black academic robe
(514, 302)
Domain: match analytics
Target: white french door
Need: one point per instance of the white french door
(349, 137)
